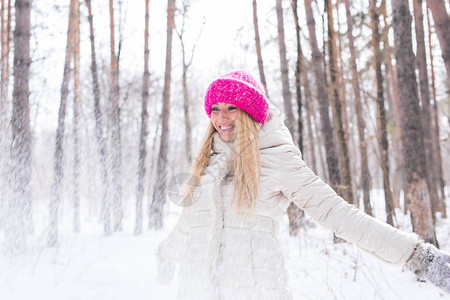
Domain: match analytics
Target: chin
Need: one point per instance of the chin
(227, 137)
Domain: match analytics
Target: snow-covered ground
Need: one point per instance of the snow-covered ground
(90, 266)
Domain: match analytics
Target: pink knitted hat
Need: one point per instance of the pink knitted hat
(241, 89)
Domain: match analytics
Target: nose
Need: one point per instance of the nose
(223, 115)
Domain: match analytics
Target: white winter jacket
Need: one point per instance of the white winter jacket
(224, 254)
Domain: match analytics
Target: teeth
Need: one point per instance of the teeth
(225, 128)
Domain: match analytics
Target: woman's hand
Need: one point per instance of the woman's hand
(431, 264)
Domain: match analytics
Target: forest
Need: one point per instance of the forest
(101, 108)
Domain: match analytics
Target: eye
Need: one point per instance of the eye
(215, 109)
(232, 107)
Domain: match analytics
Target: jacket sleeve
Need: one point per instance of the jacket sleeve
(320, 201)
(172, 248)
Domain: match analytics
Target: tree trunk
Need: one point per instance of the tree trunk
(76, 119)
(19, 206)
(4, 106)
(186, 65)
(55, 199)
(436, 134)
(341, 80)
(381, 112)
(298, 71)
(99, 137)
(399, 179)
(295, 214)
(365, 173)
(115, 130)
(442, 26)
(5, 41)
(159, 193)
(413, 150)
(342, 143)
(258, 47)
(287, 96)
(425, 99)
(322, 96)
(308, 113)
(144, 130)
(322, 160)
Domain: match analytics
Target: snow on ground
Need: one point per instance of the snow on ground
(89, 266)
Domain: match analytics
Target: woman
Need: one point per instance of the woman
(245, 176)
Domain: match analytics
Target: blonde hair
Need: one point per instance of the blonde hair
(246, 162)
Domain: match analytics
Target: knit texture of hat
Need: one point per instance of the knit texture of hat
(241, 89)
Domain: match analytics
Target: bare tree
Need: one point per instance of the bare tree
(116, 146)
(381, 111)
(413, 150)
(342, 143)
(295, 214)
(425, 100)
(144, 130)
(287, 96)
(391, 85)
(365, 173)
(4, 102)
(258, 46)
(298, 71)
(186, 65)
(159, 193)
(436, 130)
(76, 121)
(322, 96)
(19, 206)
(340, 73)
(308, 112)
(101, 143)
(55, 199)
(5, 41)
(442, 26)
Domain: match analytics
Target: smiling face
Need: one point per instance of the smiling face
(223, 118)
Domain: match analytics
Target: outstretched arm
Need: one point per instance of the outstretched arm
(321, 202)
